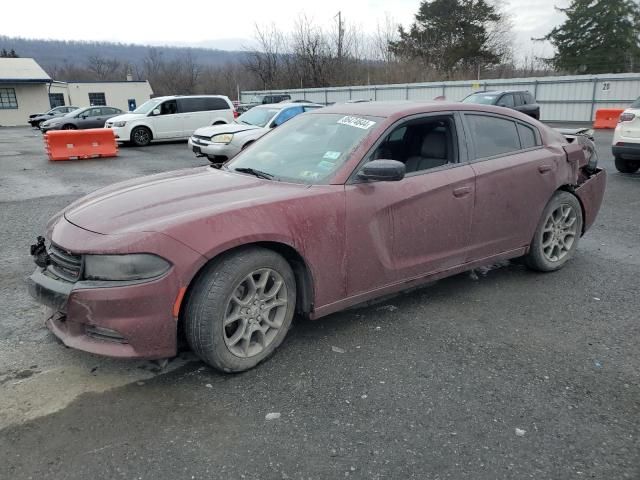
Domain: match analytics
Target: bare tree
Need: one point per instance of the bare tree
(265, 60)
(103, 68)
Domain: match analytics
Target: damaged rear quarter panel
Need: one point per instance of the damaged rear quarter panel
(591, 192)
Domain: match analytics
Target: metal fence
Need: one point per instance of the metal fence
(562, 99)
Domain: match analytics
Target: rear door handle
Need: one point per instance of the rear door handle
(545, 168)
(461, 192)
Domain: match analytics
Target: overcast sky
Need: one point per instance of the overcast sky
(230, 24)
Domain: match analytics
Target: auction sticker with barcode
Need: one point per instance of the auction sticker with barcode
(357, 122)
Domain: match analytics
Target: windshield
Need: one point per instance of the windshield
(258, 116)
(483, 98)
(307, 149)
(147, 106)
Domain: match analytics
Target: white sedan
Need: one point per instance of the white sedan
(626, 140)
(219, 143)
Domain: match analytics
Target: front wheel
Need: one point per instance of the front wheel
(627, 166)
(240, 309)
(141, 136)
(556, 238)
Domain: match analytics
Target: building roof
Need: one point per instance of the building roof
(22, 70)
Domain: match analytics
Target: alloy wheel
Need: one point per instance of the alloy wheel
(255, 312)
(559, 233)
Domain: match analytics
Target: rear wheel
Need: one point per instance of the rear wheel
(240, 309)
(627, 166)
(141, 136)
(556, 238)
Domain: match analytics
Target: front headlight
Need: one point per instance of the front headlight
(137, 266)
(222, 138)
(119, 124)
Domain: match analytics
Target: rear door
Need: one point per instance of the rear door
(515, 178)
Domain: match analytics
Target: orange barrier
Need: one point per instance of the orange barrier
(80, 144)
(607, 117)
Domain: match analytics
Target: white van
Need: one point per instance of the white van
(171, 118)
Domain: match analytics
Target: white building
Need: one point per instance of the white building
(25, 88)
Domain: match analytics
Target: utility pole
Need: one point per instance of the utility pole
(340, 35)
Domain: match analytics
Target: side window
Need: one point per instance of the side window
(528, 98)
(518, 99)
(94, 112)
(528, 137)
(214, 103)
(287, 114)
(190, 105)
(506, 101)
(169, 107)
(421, 144)
(492, 135)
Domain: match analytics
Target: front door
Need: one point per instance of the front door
(398, 231)
(169, 124)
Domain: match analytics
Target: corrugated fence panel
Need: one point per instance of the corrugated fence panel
(567, 98)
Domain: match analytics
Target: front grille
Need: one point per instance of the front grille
(64, 264)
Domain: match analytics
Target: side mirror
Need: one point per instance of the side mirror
(156, 111)
(84, 116)
(383, 171)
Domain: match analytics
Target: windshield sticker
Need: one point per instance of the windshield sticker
(356, 122)
(331, 155)
(328, 166)
(310, 174)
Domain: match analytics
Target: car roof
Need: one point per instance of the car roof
(289, 104)
(406, 107)
(169, 97)
(498, 92)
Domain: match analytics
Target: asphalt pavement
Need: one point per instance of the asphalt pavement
(500, 373)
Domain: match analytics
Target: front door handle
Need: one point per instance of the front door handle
(461, 192)
(545, 168)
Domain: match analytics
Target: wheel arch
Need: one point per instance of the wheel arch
(143, 125)
(300, 267)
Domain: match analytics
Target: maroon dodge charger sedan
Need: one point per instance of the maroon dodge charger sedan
(333, 208)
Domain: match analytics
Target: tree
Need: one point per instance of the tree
(598, 36)
(10, 54)
(454, 35)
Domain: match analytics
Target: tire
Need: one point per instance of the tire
(557, 235)
(141, 136)
(218, 296)
(627, 166)
(69, 126)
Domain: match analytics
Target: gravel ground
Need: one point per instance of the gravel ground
(496, 374)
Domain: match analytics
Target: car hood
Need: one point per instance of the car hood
(127, 117)
(158, 202)
(229, 128)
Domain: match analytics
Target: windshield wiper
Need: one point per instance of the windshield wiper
(254, 172)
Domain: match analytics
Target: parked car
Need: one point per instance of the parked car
(334, 208)
(626, 140)
(222, 142)
(521, 101)
(171, 118)
(82, 118)
(37, 118)
(270, 98)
